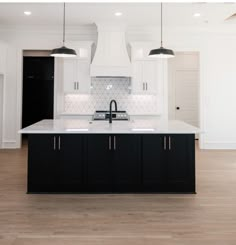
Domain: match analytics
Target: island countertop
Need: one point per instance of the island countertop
(137, 126)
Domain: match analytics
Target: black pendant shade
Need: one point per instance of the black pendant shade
(162, 52)
(63, 51)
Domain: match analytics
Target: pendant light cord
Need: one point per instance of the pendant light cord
(161, 24)
(64, 13)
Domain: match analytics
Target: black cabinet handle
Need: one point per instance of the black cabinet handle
(169, 143)
(114, 141)
(164, 142)
(177, 108)
(109, 143)
(59, 143)
(54, 143)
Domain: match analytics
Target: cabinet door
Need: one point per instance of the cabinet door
(126, 161)
(150, 76)
(84, 80)
(70, 75)
(76, 76)
(154, 162)
(137, 78)
(71, 167)
(42, 163)
(181, 163)
(144, 79)
(99, 165)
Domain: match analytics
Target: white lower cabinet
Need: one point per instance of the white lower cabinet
(145, 77)
(76, 76)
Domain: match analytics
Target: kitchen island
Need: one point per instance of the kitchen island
(137, 156)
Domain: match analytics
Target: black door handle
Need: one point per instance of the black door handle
(177, 108)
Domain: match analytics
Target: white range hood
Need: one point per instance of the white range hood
(111, 57)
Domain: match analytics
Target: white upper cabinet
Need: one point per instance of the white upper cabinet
(76, 71)
(76, 76)
(145, 77)
(3, 53)
(145, 70)
(141, 50)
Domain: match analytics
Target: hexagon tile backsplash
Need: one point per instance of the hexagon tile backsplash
(103, 90)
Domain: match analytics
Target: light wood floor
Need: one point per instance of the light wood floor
(206, 218)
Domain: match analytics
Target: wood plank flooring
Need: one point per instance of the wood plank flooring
(164, 219)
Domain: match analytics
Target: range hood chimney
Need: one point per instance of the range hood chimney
(111, 57)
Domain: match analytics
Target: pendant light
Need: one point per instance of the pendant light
(63, 51)
(162, 52)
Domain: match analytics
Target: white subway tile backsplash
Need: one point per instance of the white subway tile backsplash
(103, 91)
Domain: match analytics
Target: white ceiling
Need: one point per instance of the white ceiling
(134, 14)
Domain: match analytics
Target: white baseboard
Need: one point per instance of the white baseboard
(219, 145)
(9, 144)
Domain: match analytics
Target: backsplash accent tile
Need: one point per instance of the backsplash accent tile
(103, 91)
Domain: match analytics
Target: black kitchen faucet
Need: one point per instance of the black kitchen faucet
(110, 117)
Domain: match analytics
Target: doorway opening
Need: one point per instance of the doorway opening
(1, 110)
(38, 87)
(183, 85)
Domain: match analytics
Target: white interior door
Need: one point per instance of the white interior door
(186, 97)
(1, 108)
(183, 87)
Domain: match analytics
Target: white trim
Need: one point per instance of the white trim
(55, 88)
(202, 99)
(19, 77)
(9, 144)
(214, 145)
(19, 87)
(164, 65)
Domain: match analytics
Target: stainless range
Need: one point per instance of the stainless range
(116, 115)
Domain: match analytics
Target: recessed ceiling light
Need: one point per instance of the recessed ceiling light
(196, 15)
(118, 14)
(27, 13)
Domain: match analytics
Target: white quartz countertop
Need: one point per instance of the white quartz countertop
(137, 126)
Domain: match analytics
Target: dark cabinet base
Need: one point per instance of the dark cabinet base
(127, 163)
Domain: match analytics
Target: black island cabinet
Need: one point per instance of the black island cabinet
(116, 163)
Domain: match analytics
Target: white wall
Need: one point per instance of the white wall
(217, 83)
(217, 79)
(19, 39)
(219, 108)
